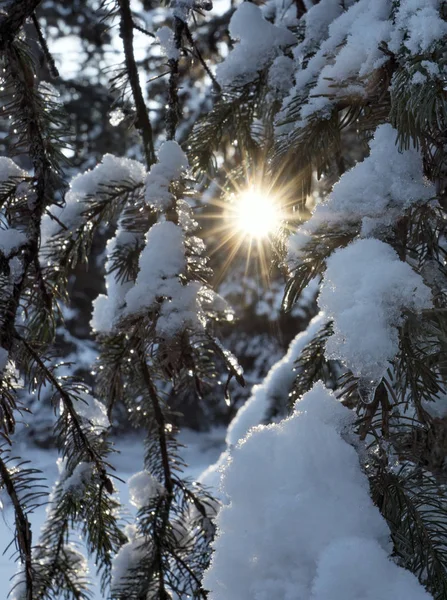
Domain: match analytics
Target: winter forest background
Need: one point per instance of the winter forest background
(223, 327)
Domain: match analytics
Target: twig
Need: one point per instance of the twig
(14, 19)
(202, 61)
(168, 482)
(43, 44)
(173, 114)
(143, 123)
(23, 528)
(69, 406)
(143, 30)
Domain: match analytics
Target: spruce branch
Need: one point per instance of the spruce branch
(174, 112)
(23, 528)
(22, 484)
(68, 403)
(13, 20)
(202, 61)
(46, 51)
(143, 123)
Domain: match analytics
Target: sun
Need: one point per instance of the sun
(256, 214)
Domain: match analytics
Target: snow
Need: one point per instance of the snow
(181, 311)
(8, 169)
(92, 411)
(366, 289)
(201, 450)
(112, 170)
(372, 195)
(260, 43)
(342, 49)
(161, 262)
(298, 502)
(128, 557)
(107, 308)
(418, 28)
(143, 486)
(165, 36)
(281, 74)
(356, 567)
(76, 482)
(350, 51)
(158, 285)
(11, 239)
(172, 163)
(277, 383)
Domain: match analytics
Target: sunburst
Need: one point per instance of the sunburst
(250, 214)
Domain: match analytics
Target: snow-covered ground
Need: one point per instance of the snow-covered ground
(201, 450)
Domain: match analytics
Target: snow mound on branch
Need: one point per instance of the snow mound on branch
(165, 36)
(260, 43)
(374, 193)
(8, 169)
(128, 557)
(368, 562)
(78, 480)
(343, 47)
(172, 163)
(281, 74)
(158, 285)
(92, 411)
(108, 307)
(277, 383)
(143, 487)
(366, 290)
(112, 170)
(299, 502)
(160, 264)
(349, 52)
(11, 239)
(418, 26)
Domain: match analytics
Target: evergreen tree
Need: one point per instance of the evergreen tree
(363, 105)
(338, 101)
(155, 327)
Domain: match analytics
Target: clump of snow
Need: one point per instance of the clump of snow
(260, 43)
(128, 557)
(298, 501)
(349, 52)
(76, 482)
(165, 36)
(371, 576)
(11, 239)
(92, 411)
(112, 170)
(366, 289)
(276, 384)
(108, 307)
(9, 169)
(418, 26)
(317, 20)
(161, 262)
(281, 74)
(143, 487)
(172, 163)
(158, 284)
(373, 194)
(181, 311)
